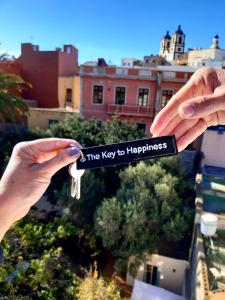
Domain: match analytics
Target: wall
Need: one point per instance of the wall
(170, 280)
(198, 280)
(213, 146)
(70, 82)
(99, 111)
(42, 69)
(39, 117)
(196, 56)
(10, 67)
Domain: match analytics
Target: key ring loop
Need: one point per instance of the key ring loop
(82, 159)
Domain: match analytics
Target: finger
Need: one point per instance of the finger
(59, 161)
(191, 135)
(201, 107)
(52, 144)
(183, 127)
(170, 127)
(167, 113)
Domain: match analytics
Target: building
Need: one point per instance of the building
(171, 47)
(212, 57)
(207, 264)
(44, 69)
(10, 67)
(44, 117)
(135, 94)
(54, 75)
(131, 62)
(214, 135)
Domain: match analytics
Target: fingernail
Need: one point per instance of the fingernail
(73, 151)
(188, 110)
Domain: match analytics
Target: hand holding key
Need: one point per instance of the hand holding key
(29, 173)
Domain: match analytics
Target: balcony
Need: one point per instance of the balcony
(129, 110)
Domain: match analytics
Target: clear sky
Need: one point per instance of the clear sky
(110, 29)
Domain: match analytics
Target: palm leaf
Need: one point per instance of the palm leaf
(12, 106)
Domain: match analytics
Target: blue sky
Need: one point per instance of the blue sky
(109, 29)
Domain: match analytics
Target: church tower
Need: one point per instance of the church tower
(177, 44)
(165, 46)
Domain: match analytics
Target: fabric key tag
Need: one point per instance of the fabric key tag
(126, 152)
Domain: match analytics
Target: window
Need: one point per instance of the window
(52, 121)
(68, 50)
(144, 73)
(179, 49)
(121, 71)
(69, 93)
(142, 97)
(151, 275)
(98, 94)
(148, 273)
(141, 126)
(166, 95)
(180, 40)
(120, 95)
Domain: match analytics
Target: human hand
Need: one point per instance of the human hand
(196, 106)
(29, 173)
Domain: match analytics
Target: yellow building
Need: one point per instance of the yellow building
(43, 117)
(69, 92)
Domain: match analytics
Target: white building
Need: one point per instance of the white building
(130, 62)
(212, 57)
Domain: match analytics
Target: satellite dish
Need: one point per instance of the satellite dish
(209, 224)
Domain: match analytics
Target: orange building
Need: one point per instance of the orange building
(135, 93)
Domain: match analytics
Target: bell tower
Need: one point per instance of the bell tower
(177, 44)
(165, 45)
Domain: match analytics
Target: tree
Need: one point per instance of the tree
(96, 184)
(12, 106)
(96, 287)
(36, 264)
(147, 207)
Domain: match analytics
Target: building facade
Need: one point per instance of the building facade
(211, 57)
(135, 94)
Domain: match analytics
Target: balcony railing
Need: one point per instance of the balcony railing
(130, 110)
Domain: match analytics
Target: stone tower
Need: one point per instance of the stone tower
(177, 44)
(165, 46)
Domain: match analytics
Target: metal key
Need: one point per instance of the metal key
(76, 180)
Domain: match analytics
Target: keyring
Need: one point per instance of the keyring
(82, 156)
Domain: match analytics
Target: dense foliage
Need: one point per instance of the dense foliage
(148, 206)
(35, 263)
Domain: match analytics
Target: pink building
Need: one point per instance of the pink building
(136, 93)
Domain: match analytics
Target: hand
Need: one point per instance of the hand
(28, 175)
(196, 106)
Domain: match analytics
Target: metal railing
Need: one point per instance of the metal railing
(130, 110)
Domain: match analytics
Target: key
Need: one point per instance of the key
(76, 180)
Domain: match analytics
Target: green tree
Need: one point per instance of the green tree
(98, 183)
(12, 106)
(146, 208)
(36, 264)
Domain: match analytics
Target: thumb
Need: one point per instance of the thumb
(202, 106)
(65, 157)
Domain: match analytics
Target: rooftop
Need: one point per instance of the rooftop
(215, 261)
